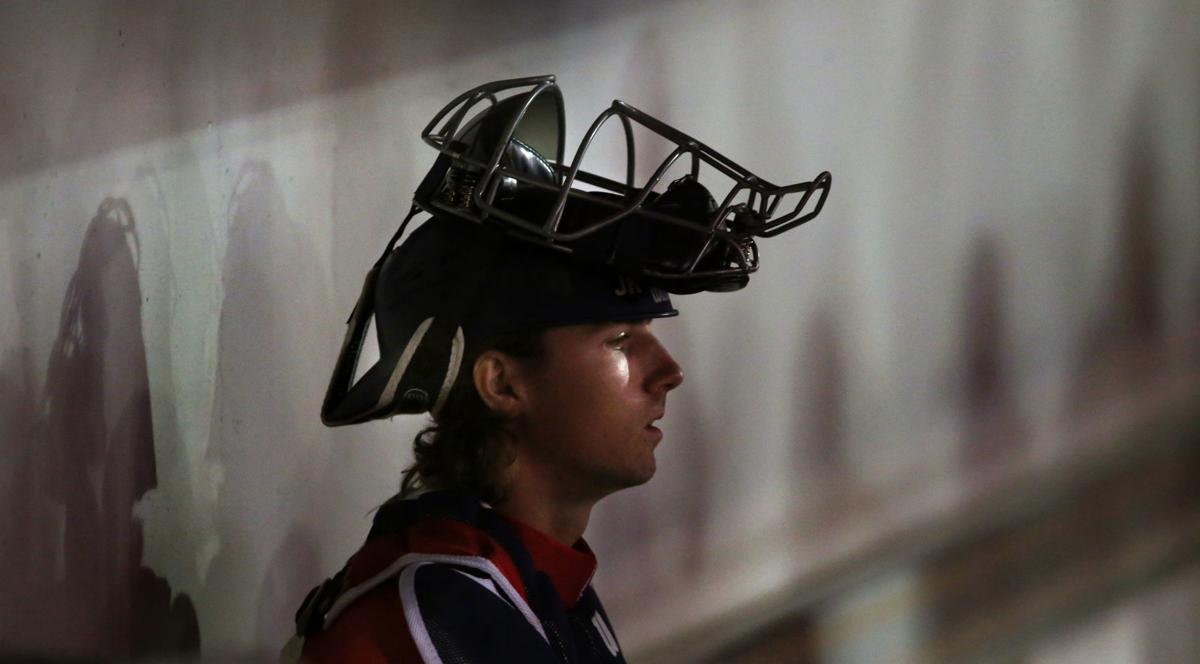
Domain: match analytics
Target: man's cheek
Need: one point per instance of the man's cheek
(621, 368)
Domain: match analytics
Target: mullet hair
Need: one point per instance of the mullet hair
(465, 448)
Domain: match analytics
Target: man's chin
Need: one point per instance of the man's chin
(642, 475)
(631, 479)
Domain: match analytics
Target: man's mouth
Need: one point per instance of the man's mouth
(650, 425)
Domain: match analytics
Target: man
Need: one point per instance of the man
(519, 316)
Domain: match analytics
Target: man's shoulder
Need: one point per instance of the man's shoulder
(466, 610)
(365, 601)
(444, 600)
(369, 630)
(433, 539)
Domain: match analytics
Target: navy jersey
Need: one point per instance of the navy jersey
(444, 579)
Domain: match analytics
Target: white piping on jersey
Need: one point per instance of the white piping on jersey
(606, 635)
(412, 614)
(486, 583)
(402, 364)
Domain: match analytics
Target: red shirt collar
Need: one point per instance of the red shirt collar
(570, 568)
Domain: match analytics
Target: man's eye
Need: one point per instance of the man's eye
(618, 342)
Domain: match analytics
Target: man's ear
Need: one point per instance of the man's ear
(497, 382)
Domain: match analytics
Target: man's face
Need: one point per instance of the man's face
(591, 402)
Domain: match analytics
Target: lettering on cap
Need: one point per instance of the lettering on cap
(626, 286)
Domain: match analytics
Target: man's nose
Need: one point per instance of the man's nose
(668, 375)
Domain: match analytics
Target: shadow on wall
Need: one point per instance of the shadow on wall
(264, 397)
(75, 463)
(1123, 344)
(819, 465)
(292, 568)
(993, 429)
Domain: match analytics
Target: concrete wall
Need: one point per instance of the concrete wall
(191, 193)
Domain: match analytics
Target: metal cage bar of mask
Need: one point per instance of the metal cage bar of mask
(732, 224)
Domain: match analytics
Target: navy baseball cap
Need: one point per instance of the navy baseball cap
(451, 287)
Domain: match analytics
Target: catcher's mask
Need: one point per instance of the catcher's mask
(520, 241)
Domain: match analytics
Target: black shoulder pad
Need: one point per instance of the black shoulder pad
(466, 620)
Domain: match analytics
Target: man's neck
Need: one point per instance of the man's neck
(563, 518)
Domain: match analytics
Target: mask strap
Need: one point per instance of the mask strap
(341, 386)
